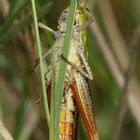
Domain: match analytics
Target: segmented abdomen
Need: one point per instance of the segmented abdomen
(67, 117)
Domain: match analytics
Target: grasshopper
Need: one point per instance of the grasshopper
(78, 72)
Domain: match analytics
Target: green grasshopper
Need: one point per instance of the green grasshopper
(78, 72)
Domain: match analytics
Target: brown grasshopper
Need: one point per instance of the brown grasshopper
(78, 72)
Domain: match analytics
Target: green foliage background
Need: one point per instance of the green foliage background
(20, 86)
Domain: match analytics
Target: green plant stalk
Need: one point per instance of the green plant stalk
(62, 70)
(41, 62)
(52, 110)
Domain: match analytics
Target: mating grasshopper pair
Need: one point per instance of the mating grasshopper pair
(76, 93)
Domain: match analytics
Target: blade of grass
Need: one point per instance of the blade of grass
(4, 132)
(13, 5)
(48, 36)
(11, 17)
(42, 10)
(38, 44)
(62, 70)
(23, 24)
(52, 111)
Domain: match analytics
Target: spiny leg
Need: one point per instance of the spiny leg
(87, 13)
(55, 33)
(49, 52)
(48, 77)
(74, 66)
(38, 60)
(86, 10)
(80, 53)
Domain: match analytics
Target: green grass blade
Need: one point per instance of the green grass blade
(41, 62)
(11, 17)
(52, 110)
(48, 36)
(23, 24)
(14, 4)
(61, 74)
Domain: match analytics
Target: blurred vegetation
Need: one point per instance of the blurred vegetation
(116, 26)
